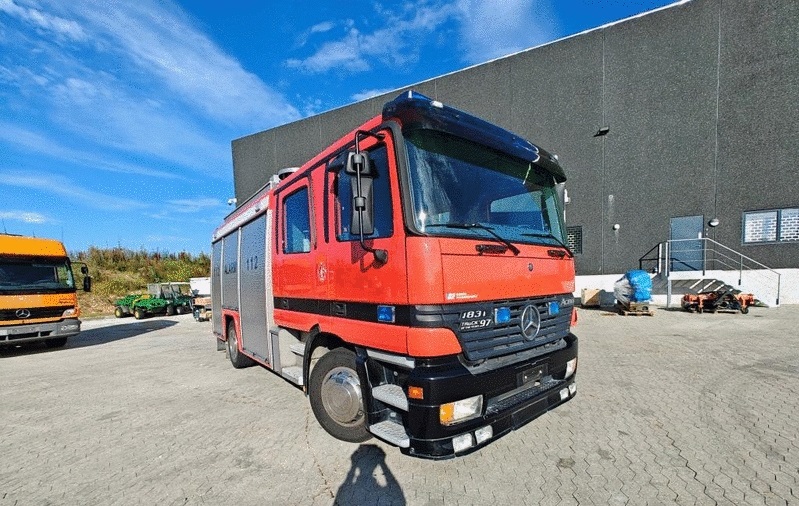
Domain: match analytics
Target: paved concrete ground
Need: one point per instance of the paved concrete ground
(672, 409)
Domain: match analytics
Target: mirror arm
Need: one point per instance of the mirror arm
(381, 255)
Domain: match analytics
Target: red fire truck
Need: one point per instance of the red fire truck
(412, 279)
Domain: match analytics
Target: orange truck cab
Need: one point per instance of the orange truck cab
(412, 278)
(38, 299)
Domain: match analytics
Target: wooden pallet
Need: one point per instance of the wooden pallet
(635, 309)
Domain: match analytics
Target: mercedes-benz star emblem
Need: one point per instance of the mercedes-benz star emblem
(23, 313)
(531, 322)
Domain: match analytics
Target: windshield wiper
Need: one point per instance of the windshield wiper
(469, 226)
(550, 235)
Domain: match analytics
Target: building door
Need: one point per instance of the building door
(687, 252)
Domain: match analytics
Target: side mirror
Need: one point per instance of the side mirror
(361, 171)
(563, 198)
(87, 282)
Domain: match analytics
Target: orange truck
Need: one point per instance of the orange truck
(412, 279)
(38, 299)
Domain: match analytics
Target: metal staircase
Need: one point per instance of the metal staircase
(700, 265)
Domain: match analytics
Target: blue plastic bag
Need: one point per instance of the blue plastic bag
(641, 285)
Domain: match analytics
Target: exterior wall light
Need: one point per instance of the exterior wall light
(616, 226)
(602, 131)
(713, 222)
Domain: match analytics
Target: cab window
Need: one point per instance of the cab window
(297, 223)
(381, 193)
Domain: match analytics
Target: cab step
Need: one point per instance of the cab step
(391, 432)
(393, 395)
(292, 373)
(298, 348)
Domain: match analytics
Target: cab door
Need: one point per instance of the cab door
(356, 276)
(294, 272)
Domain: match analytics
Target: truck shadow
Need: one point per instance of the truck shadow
(369, 480)
(91, 337)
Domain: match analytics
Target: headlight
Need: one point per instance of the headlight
(69, 312)
(454, 412)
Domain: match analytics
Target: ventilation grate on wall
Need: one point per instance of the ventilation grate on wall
(574, 239)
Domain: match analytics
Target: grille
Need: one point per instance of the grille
(505, 339)
(36, 313)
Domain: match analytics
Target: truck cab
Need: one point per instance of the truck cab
(38, 299)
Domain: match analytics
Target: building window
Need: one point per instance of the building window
(574, 239)
(779, 225)
(789, 225)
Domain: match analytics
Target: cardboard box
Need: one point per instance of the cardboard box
(590, 297)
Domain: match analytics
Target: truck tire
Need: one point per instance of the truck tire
(336, 399)
(238, 359)
(56, 342)
(139, 313)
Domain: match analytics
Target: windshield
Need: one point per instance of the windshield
(36, 275)
(457, 182)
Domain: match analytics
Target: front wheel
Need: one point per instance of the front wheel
(118, 312)
(336, 399)
(238, 359)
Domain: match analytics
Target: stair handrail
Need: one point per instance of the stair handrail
(664, 260)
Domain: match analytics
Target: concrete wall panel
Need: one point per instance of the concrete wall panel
(557, 103)
(758, 120)
(660, 104)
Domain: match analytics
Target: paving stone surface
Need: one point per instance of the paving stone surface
(675, 408)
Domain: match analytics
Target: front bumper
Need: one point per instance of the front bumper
(39, 331)
(513, 395)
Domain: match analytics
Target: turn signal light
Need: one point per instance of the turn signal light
(415, 393)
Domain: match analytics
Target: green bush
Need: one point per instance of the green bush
(117, 272)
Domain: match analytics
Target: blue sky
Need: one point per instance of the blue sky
(116, 117)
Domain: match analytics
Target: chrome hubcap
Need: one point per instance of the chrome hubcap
(341, 396)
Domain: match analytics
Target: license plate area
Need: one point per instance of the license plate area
(531, 376)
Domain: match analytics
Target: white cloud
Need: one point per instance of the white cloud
(67, 189)
(345, 54)
(25, 217)
(59, 26)
(162, 40)
(396, 43)
(486, 30)
(323, 27)
(144, 81)
(367, 94)
(493, 29)
(32, 142)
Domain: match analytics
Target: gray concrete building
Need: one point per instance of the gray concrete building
(699, 106)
